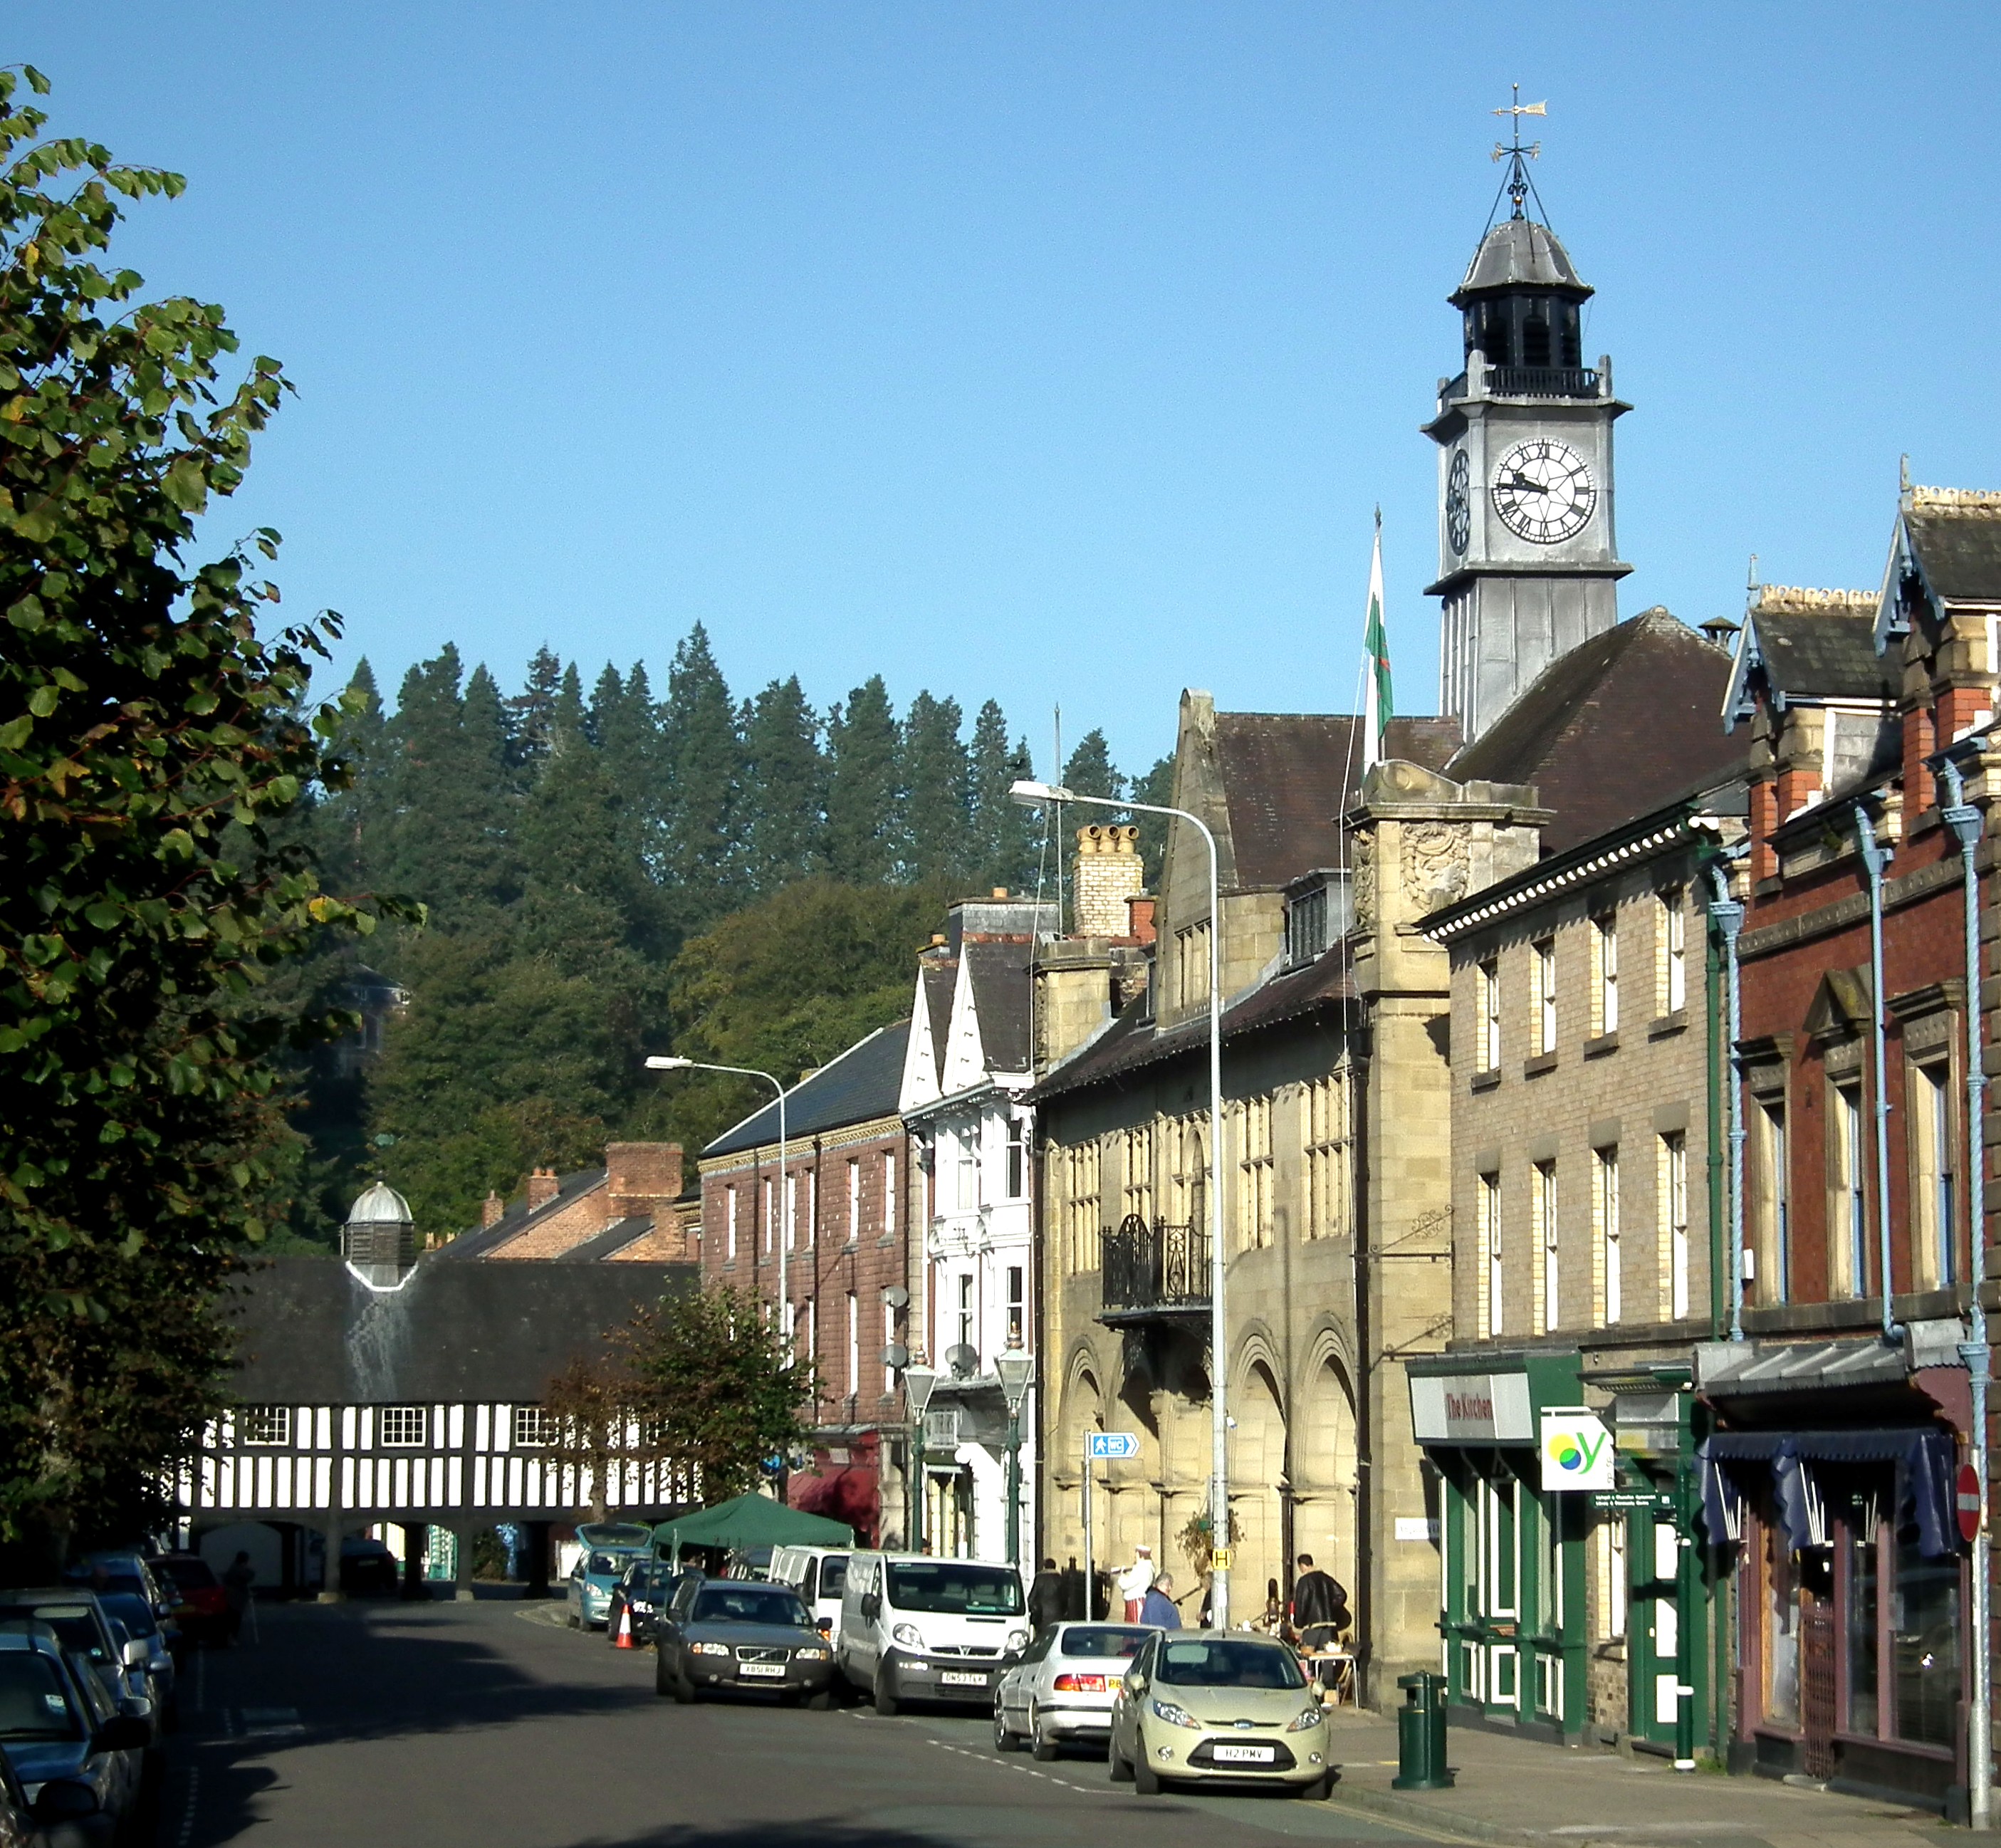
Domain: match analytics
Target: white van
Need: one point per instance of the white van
(817, 1574)
(917, 1628)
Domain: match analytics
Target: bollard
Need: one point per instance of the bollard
(1421, 1735)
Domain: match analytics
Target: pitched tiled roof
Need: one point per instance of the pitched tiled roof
(1613, 729)
(1959, 550)
(309, 1332)
(1827, 652)
(999, 973)
(1132, 1041)
(477, 1245)
(863, 1082)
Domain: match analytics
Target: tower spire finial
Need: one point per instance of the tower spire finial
(1518, 184)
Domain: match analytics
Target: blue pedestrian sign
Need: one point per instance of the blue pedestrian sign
(1113, 1446)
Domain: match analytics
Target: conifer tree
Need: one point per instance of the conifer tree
(1002, 833)
(568, 713)
(702, 759)
(1091, 772)
(861, 787)
(531, 712)
(784, 789)
(934, 774)
(1157, 786)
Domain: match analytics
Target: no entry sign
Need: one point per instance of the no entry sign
(1967, 1490)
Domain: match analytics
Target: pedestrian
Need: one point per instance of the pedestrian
(1047, 1597)
(236, 1583)
(1135, 1580)
(1320, 1602)
(1158, 1605)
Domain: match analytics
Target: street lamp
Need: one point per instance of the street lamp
(1016, 1367)
(918, 1380)
(663, 1062)
(1032, 795)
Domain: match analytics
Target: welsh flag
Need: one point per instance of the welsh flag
(1378, 709)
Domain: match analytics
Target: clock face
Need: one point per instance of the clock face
(1458, 502)
(1543, 490)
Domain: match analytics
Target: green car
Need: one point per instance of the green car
(608, 1548)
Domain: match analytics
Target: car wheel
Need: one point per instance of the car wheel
(685, 1689)
(1146, 1779)
(820, 1700)
(885, 1697)
(1040, 1742)
(1320, 1789)
(1003, 1740)
(663, 1686)
(1121, 1771)
(571, 1618)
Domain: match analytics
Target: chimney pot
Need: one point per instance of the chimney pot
(494, 1211)
(543, 1187)
(1109, 872)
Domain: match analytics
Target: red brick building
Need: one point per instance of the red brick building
(1843, 1412)
(842, 1208)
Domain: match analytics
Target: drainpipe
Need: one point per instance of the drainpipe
(1727, 915)
(1875, 856)
(1967, 824)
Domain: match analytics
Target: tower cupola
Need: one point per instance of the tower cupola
(1521, 302)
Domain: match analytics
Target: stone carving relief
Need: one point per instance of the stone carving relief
(1434, 865)
(1362, 887)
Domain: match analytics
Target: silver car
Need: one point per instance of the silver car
(1060, 1693)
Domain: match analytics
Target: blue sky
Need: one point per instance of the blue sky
(1050, 353)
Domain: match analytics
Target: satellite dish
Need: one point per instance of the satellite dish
(895, 1356)
(897, 1297)
(963, 1361)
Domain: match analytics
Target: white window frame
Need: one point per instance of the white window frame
(531, 1427)
(1674, 950)
(1605, 954)
(853, 1346)
(1542, 1184)
(729, 1223)
(264, 1427)
(1491, 1316)
(1611, 1258)
(1675, 1220)
(853, 1198)
(410, 1423)
(1487, 980)
(1544, 952)
(1016, 1328)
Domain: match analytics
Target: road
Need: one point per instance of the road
(490, 1726)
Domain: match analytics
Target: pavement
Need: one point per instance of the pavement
(491, 1725)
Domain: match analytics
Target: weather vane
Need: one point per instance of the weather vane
(1519, 185)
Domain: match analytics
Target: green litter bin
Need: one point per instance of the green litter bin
(1421, 1735)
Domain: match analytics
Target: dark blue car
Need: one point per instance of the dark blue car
(78, 1758)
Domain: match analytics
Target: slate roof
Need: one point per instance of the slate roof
(866, 1081)
(1620, 725)
(999, 973)
(1959, 552)
(1519, 253)
(1828, 654)
(478, 1243)
(939, 978)
(1133, 1042)
(309, 1332)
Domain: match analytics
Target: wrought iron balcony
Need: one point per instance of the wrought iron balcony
(1155, 1269)
(1543, 381)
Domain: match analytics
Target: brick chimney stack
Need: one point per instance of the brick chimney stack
(493, 1212)
(543, 1187)
(1108, 873)
(642, 1178)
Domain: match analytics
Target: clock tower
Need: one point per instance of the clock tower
(1528, 563)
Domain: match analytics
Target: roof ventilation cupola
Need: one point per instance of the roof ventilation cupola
(380, 1240)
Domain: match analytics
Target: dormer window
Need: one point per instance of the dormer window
(1317, 915)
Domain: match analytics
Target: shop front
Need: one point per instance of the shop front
(1513, 1593)
(1853, 1647)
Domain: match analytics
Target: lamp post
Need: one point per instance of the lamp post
(918, 1380)
(1016, 1367)
(660, 1062)
(1034, 795)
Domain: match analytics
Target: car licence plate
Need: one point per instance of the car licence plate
(952, 1680)
(774, 1671)
(1245, 1754)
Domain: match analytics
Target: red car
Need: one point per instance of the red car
(200, 1605)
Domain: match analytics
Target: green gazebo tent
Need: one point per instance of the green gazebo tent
(751, 1520)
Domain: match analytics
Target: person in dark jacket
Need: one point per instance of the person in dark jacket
(1158, 1605)
(1320, 1602)
(1047, 1597)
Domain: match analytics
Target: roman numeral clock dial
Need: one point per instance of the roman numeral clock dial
(1543, 490)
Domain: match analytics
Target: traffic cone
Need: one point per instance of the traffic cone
(624, 1638)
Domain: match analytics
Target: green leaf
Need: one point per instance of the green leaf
(42, 701)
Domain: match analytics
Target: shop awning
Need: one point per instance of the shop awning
(1924, 1457)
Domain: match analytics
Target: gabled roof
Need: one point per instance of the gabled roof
(1621, 724)
(1946, 547)
(861, 1083)
(936, 981)
(519, 1217)
(1805, 648)
(998, 976)
(1288, 777)
(1132, 1041)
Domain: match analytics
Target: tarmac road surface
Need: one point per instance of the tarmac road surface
(489, 1725)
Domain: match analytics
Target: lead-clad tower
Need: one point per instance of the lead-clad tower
(1528, 561)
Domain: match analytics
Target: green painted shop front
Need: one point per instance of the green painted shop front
(1536, 1582)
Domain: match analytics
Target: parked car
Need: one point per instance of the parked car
(367, 1565)
(83, 1627)
(67, 1741)
(131, 1616)
(120, 1569)
(1218, 1707)
(817, 1574)
(40, 1824)
(643, 1589)
(201, 1606)
(917, 1628)
(1061, 1692)
(731, 1633)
